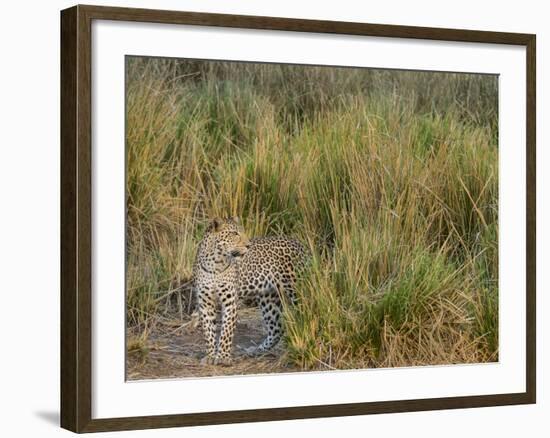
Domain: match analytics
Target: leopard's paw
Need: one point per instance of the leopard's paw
(209, 359)
(253, 351)
(223, 361)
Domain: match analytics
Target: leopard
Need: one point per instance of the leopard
(229, 269)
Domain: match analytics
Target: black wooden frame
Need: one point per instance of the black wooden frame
(76, 174)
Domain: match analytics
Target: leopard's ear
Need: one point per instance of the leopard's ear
(215, 224)
(236, 219)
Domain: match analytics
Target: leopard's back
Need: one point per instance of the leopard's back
(271, 261)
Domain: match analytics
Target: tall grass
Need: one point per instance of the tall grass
(390, 177)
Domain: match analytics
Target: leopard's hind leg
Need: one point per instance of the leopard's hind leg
(271, 308)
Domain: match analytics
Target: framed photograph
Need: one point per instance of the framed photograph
(269, 218)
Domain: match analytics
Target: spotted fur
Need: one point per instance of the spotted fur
(229, 267)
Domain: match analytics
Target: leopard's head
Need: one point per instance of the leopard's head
(228, 237)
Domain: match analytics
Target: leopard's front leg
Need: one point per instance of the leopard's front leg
(229, 317)
(207, 316)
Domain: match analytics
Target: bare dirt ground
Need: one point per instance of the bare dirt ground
(174, 348)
